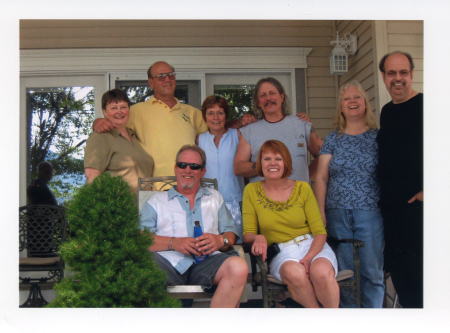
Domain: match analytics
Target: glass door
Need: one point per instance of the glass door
(57, 122)
(238, 89)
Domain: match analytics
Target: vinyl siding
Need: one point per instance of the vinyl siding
(320, 85)
(408, 36)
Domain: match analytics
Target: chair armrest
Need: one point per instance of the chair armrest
(333, 242)
(240, 250)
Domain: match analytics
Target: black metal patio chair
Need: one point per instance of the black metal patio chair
(275, 291)
(42, 228)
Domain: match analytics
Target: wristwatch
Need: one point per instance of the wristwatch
(226, 242)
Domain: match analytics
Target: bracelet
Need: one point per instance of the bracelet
(170, 246)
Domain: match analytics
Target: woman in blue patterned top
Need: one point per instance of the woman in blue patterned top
(347, 191)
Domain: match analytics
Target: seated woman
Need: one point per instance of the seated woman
(118, 151)
(285, 212)
(220, 145)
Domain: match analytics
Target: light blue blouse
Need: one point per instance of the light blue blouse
(219, 163)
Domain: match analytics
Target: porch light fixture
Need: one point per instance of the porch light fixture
(339, 55)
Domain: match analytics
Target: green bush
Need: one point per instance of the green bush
(108, 253)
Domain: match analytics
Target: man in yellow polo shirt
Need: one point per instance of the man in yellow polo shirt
(162, 124)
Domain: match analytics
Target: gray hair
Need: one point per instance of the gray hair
(194, 148)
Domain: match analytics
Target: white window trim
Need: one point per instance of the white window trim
(188, 62)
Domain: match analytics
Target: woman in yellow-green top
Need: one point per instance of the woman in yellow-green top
(284, 211)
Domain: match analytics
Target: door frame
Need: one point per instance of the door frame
(49, 81)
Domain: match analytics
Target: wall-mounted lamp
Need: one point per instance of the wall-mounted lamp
(339, 55)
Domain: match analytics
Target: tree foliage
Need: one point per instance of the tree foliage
(108, 253)
(239, 98)
(59, 125)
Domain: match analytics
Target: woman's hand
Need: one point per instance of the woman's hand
(306, 262)
(259, 247)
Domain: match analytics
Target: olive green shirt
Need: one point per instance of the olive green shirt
(110, 152)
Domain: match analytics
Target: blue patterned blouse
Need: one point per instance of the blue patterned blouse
(352, 182)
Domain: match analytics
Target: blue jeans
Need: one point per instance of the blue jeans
(367, 226)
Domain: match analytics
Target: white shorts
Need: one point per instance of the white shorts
(296, 251)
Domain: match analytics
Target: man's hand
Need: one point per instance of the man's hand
(185, 245)
(102, 125)
(417, 196)
(259, 247)
(208, 243)
(303, 116)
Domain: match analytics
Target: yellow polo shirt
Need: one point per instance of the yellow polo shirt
(163, 130)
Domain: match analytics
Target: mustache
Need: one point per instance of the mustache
(269, 102)
(393, 83)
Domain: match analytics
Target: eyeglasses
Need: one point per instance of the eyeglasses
(162, 76)
(401, 73)
(193, 166)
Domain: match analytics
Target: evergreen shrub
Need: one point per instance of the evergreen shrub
(107, 252)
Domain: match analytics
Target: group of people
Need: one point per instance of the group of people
(368, 186)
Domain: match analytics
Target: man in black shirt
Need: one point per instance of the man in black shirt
(400, 170)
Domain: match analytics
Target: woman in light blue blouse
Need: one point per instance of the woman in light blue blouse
(347, 191)
(220, 144)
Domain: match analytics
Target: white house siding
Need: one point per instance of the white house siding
(362, 64)
(374, 39)
(408, 36)
(405, 35)
(320, 85)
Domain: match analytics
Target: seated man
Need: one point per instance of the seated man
(171, 216)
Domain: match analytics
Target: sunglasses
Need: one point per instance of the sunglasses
(193, 166)
(162, 76)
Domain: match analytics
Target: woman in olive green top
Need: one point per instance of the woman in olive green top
(118, 151)
(284, 211)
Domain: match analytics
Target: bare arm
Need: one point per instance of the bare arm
(91, 174)
(102, 125)
(184, 245)
(321, 183)
(259, 244)
(242, 164)
(314, 143)
(316, 247)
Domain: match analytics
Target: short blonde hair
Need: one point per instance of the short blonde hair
(340, 123)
